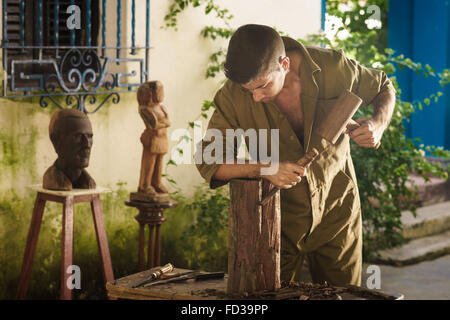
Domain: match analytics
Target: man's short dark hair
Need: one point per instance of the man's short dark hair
(253, 50)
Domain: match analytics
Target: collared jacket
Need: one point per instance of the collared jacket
(330, 184)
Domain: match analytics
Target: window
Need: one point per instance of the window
(27, 26)
(23, 23)
(43, 57)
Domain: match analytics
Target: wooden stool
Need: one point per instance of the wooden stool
(67, 198)
(151, 214)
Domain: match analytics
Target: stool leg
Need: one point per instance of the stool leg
(30, 249)
(102, 240)
(150, 261)
(141, 246)
(67, 247)
(158, 244)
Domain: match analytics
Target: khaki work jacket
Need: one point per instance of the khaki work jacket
(330, 184)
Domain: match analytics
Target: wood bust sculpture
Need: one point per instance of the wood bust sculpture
(155, 142)
(71, 135)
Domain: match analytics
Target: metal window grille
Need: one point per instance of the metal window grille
(43, 58)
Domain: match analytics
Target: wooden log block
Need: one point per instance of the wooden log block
(254, 238)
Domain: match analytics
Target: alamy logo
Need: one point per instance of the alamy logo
(74, 20)
(374, 280)
(218, 153)
(74, 280)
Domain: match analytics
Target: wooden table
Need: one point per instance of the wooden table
(211, 289)
(186, 290)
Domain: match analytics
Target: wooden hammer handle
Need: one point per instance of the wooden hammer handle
(308, 158)
(304, 162)
(352, 125)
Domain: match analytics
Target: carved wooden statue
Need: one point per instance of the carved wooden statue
(71, 135)
(154, 140)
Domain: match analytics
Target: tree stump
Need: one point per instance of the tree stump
(254, 238)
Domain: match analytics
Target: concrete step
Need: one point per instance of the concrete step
(429, 192)
(427, 248)
(429, 220)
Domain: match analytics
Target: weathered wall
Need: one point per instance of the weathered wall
(178, 59)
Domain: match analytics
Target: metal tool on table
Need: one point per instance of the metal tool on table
(331, 128)
(197, 275)
(165, 269)
(156, 274)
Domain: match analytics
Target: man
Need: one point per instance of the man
(71, 135)
(277, 83)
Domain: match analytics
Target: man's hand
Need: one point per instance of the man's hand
(288, 175)
(369, 133)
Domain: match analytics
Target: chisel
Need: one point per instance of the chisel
(194, 275)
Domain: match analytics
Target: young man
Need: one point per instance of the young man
(277, 83)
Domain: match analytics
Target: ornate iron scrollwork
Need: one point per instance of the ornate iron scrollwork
(86, 74)
(80, 76)
(79, 69)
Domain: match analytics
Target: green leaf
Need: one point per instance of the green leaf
(389, 51)
(429, 68)
(187, 138)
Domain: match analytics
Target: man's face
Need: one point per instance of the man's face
(74, 144)
(265, 88)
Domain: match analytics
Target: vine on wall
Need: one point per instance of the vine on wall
(216, 59)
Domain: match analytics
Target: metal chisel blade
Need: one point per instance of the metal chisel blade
(194, 275)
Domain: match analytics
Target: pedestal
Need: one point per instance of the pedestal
(151, 214)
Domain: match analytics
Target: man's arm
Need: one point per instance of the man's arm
(287, 175)
(230, 171)
(371, 130)
(375, 88)
(383, 107)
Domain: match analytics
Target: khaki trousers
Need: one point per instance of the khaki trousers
(334, 257)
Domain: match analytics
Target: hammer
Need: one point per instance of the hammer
(331, 128)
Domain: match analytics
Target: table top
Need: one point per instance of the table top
(74, 192)
(208, 289)
(186, 290)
